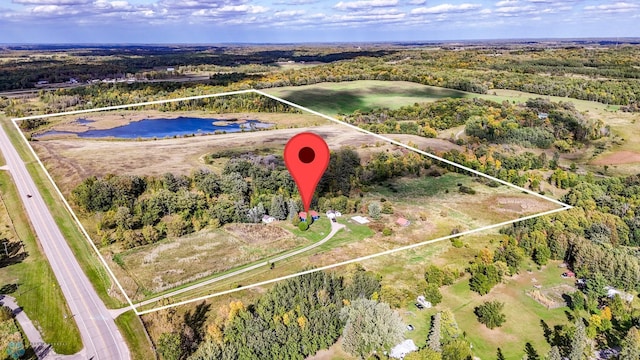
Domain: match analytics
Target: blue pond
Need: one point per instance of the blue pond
(160, 128)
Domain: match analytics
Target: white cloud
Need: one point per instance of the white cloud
(445, 8)
(51, 2)
(417, 2)
(364, 4)
(295, 2)
(506, 2)
(288, 13)
(247, 9)
(613, 8)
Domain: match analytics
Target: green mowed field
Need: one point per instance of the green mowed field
(363, 95)
(523, 314)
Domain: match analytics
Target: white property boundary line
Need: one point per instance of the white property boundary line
(395, 142)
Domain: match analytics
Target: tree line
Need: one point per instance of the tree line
(133, 210)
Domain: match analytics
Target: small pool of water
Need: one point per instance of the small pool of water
(160, 128)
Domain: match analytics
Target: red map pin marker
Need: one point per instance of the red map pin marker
(307, 157)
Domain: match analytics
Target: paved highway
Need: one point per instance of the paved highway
(100, 336)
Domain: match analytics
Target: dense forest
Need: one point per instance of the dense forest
(292, 320)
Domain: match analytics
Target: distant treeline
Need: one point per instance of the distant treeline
(605, 76)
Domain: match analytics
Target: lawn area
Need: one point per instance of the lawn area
(317, 231)
(524, 315)
(31, 281)
(79, 245)
(40, 295)
(132, 329)
(346, 97)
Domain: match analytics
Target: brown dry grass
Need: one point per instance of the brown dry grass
(70, 160)
(112, 119)
(618, 158)
(177, 261)
(257, 233)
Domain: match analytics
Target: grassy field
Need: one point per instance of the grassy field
(43, 292)
(173, 262)
(31, 281)
(414, 198)
(524, 315)
(133, 332)
(364, 95)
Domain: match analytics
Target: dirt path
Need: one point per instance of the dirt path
(335, 227)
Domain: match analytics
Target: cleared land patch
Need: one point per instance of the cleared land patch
(171, 263)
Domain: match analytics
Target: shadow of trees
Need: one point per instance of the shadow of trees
(11, 252)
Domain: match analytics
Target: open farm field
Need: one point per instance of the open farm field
(364, 95)
(167, 264)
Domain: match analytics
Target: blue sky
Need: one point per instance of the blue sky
(277, 21)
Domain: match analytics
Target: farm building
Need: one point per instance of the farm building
(403, 222)
(268, 219)
(401, 350)
(302, 215)
(360, 219)
(422, 301)
(332, 214)
(314, 215)
(611, 292)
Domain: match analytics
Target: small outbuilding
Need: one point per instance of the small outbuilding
(302, 215)
(422, 301)
(360, 219)
(314, 215)
(612, 292)
(267, 219)
(332, 214)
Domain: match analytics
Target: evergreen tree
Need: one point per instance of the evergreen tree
(278, 208)
(490, 314)
(579, 341)
(631, 345)
(531, 352)
(554, 354)
(292, 207)
(434, 340)
(374, 210)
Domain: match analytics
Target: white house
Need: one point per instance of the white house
(267, 219)
(401, 350)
